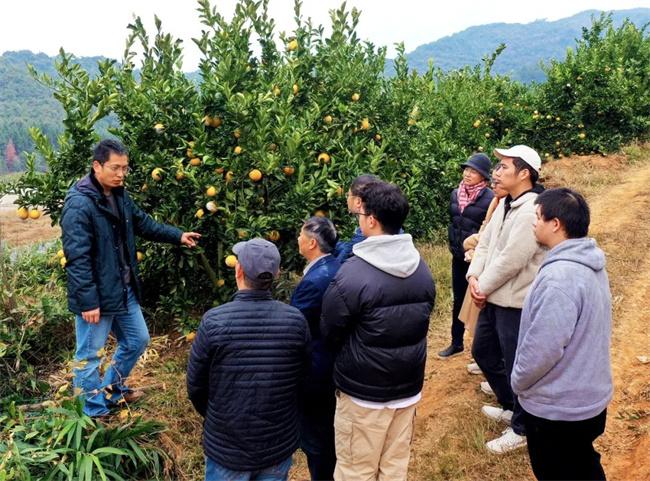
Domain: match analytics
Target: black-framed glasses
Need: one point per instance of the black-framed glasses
(357, 214)
(116, 168)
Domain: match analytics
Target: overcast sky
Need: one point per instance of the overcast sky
(98, 27)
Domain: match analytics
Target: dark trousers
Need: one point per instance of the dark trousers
(317, 442)
(561, 450)
(459, 287)
(494, 348)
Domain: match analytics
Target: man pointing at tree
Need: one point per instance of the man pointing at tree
(99, 224)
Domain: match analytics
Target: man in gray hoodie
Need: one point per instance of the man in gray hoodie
(375, 316)
(562, 372)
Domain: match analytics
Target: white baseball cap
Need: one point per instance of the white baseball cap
(524, 152)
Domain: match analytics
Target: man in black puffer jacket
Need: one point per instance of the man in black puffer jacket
(376, 313)
(247, 362)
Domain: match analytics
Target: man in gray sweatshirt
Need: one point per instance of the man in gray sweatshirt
(562, 372)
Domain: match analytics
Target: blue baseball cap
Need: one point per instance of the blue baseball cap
(259, 258)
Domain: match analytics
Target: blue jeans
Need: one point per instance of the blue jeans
(132, 337)
(278, 472)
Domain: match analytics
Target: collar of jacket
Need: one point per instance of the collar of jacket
(252, 295)
(90, 186)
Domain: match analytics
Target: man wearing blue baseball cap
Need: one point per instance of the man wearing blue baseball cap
(247, 362)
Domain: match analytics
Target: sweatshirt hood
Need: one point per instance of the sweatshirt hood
(581, 251)
(394, 254)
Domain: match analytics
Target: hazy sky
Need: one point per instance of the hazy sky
(94, 27)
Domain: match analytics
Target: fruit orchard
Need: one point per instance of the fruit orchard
(277, 126)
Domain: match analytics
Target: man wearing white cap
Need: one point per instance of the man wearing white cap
(504, 266)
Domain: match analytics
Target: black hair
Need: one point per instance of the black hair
(386, 203)
(103, 150)
(520, 164)
(361, 181)
(323, 231)
(263, 283)
(569, 207)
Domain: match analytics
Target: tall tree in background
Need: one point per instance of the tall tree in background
(11, 156)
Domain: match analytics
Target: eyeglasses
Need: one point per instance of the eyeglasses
(357, 214)
(116, 168)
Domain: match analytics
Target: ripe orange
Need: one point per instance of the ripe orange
(207, 121)
(216, 122)
(288, 170)
(229, 176)
(365, 124)
(190, 336)
(377, 137)
(355, 97)
(34, 214)
(328, 119)
(273, 236)
(296, 89)
(199, 213)
(156, 174)
(320, 213)
(211, 191)
(231, 260)
(195, 162)
(292, 45)
(324, 158)
(180, 175)
(255, 175)
(237, 150)
(139, 255)
(23, 213)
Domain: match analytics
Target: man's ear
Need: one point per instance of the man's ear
(557, 225)
(239, 272)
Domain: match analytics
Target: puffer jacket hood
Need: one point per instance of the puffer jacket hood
(394, 254)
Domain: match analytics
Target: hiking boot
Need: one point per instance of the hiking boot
(497, 414)
(450, 351)
(473, 368)
(485, 387)
(509, 441)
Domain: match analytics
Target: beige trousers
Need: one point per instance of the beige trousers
(371, 444)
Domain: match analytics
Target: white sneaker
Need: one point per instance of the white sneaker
(509, 441)
(497, 414)
(485, 387)
(473, 368)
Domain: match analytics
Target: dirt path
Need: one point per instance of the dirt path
(448, 422)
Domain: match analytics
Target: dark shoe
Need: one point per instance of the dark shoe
(132, 396)
(450, 351)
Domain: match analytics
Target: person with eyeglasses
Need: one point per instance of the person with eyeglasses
(99, 223)
(375, 316)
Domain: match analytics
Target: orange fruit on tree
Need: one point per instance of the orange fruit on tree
(199, 214)
(156, 174)
(23, 213)
(63, 261)
(377, 137)
(356, 96)
(242, 233)
(159, 128)
(320, 213)
(190, 336)
(211, 191)
(288, 170)
(231, 260)
(237, 150)
(324, 157)
(195, 162)
(273, 236)
(365, 124)
(34, 214)
(255, 175)
(180, 175)
(276, 91)
(190, 153)
(328, 119)
(292, 45)
(229, 176)
(237, 133)
(295, 89)
(207, 121)
(211, 206)
(220, 283)
(216, 122)
(60, 254)
(139, 255)
(476, 124)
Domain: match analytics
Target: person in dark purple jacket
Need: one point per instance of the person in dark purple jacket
(316, 242)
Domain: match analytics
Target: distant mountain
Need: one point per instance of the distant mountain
(526, 44)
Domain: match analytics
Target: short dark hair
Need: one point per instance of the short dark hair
(569, 207)
(323, 231)
(520, 164)
(361, 181)
(386, 203)
(102, 151)
(259, 284)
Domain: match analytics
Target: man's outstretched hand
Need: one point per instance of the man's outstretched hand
(190, 239)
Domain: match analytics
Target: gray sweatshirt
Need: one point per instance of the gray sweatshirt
(562, 369)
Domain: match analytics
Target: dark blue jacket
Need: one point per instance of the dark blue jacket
(343, 249)
(308, 297)
(90, 234)
(247, 362)
(468, 222)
